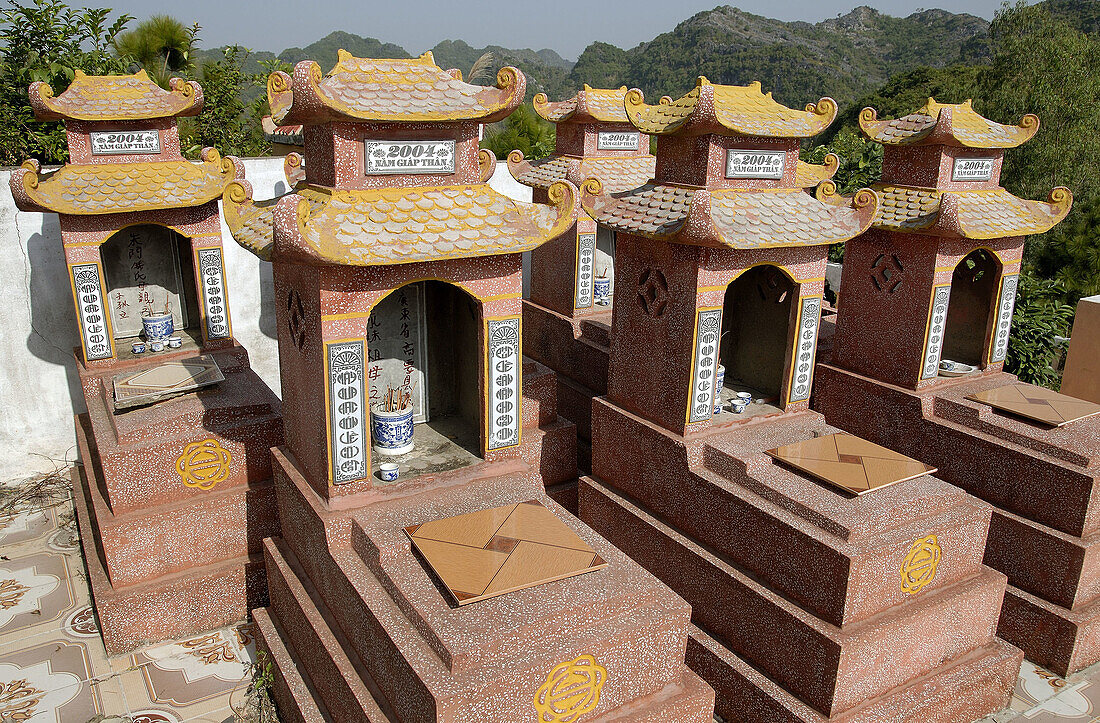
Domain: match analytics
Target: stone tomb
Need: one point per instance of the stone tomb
(921, 338)
(173, 499)
(394, 215)
(809, 602)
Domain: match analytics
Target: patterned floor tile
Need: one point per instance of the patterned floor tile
(1076, 702)
(37, 593)
(48, 683)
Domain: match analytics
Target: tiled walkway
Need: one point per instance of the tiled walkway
(53, 667)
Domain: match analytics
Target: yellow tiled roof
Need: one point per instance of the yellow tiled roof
(733, 217)
(402, 225)
(749, 219)
(590, 104)
(978, 214)
(742, 110)
(947, 124)
(808, 175)
(385, 90)
(116, 98)
(80, 189)
(616, 173)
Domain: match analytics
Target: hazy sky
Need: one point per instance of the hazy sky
(566, 26)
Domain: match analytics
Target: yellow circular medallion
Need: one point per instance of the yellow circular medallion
(571, 690)
(919, 567)
(203, 464)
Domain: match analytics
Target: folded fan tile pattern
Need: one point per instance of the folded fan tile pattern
(957, 123)
(980, 214)
(851, 463)
(116, 97)
(127, 187)
(1037, 403)
(404, 225)
(484, 554)
(787, 217)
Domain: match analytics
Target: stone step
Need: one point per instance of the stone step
(1059, 639)
(320, 649)
(293, 692)
(828, 667)
(959, 691)
(141, 545)
(201, 598)
(1060, 568)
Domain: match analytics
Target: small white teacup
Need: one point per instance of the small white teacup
(388, 471)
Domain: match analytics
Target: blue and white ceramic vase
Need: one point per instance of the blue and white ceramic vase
(602, 290)
(392, 432)
(719, 381)
(157, 326)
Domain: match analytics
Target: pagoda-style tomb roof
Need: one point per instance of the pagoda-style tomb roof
(978, 214)
(389, 90)
(733, 217)
(116, 98)
(591, 105)
(946, 124)
(729, 110)
(808, 175)
(616, 173)
(371, 227)
(98, 188)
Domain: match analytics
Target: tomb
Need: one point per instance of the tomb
(457, 589)
(830, 578)
(174, 496)
(567, 318)
(568, 315)
(917, 364)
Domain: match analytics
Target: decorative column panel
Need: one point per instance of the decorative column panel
(805, 344)
(1005, 306)
(704, 367)
(95, 326)
(933, 337)
(586, 270)
(215, 304)
(347, 410)
(503, 403)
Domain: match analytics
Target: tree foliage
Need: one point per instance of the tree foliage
(229, 121)
(523, 130)
(162, 45)
(1041, 315)
(48, 41)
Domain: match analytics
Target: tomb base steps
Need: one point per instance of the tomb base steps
(1049, 550)
(830, 669)
(200, 598)
(332, 600)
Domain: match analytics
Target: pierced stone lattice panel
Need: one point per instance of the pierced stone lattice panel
(849, 462)
(708, 327)
(937, 323)
(484, 554)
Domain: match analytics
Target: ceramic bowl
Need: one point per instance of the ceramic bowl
(392, 432)
(175, 342)
(157, 326)
(156, 345)
(388, 471)
(138, 347)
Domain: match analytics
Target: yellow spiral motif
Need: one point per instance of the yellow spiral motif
(571, 690)
(919, 567)
(203, 464)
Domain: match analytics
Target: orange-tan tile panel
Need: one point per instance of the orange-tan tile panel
(655, 211)
(116, 97)
(787, 217)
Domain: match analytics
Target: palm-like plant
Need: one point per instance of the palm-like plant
(162, 45)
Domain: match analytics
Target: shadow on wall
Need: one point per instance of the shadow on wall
(268, 325)
(53, 334)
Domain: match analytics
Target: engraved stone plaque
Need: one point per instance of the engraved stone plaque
(708, 327)
(504, 383)
(755, 164)
(1004, 317)
(937, 322)
(386, 157)
(617, 140)
(113, 143)
(215, 305)
(586, 258)
(972, 169)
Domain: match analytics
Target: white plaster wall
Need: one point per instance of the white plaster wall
(39, 389)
